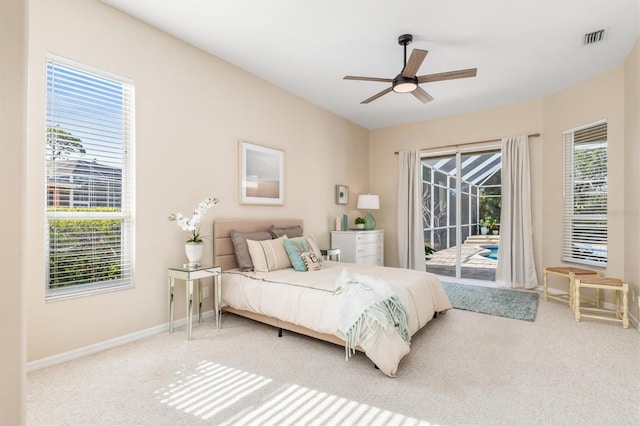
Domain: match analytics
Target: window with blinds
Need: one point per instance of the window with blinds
(89, 230)
(585, 204)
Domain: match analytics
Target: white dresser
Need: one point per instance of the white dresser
(359, 246)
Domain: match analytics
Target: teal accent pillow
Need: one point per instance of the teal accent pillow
(295, 247)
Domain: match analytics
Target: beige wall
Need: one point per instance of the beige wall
(13, 71)
(613, 95)
(445, 132)
(601, 97)
(190, 115)
(191, 110)
(632, 171)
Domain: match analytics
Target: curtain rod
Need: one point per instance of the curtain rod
(533, 135)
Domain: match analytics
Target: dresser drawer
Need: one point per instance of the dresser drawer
(369, 260)
(359, 246)
(369, 237)
(367, 249)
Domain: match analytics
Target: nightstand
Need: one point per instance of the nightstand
(189, 274)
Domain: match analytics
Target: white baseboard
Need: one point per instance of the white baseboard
(107, 344)
(633, 320)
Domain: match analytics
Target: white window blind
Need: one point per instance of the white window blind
(585, 204)
(89, 230)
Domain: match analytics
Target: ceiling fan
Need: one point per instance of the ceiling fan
(406, 81)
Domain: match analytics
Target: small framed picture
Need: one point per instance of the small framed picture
(342, 194)
(261, 175)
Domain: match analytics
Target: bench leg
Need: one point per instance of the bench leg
(625, 306)
(545, 285)
(576, 308)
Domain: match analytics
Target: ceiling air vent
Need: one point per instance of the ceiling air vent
(594, 37)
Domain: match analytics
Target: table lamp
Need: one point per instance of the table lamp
(369, 202)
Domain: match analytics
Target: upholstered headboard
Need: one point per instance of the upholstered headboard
(223, 253)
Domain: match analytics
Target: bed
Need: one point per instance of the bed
(318, 303)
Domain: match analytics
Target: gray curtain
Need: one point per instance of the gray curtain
(410, 228)
(516, 267)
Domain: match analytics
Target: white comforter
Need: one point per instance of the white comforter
(307, 299)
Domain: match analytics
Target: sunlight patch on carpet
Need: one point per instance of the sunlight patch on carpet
(210, 389)
(522, 305)
(293, 405)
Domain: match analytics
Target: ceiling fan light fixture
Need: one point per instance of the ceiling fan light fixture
(404, 84)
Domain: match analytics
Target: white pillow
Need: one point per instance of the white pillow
(269, 255)
(314, 246)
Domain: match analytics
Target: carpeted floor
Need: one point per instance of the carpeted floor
(515, 304)
(463, 368)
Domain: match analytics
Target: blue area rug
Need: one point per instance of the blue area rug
(515, 304)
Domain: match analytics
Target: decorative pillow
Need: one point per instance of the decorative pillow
(269, 255)
(239, 240)
(311, 261)
(291, 232)
(295, 247)
(314, 246)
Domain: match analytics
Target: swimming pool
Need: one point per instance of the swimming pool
(492, 252)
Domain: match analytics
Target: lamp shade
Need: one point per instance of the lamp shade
(369, 202)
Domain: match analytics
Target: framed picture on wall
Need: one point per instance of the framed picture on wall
(342, 194)
(261, 174)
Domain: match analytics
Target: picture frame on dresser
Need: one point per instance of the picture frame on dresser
(342, 194)
(261, 174)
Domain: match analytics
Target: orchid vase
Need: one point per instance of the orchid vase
(194, 252)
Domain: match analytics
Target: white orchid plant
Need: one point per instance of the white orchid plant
(192, 225)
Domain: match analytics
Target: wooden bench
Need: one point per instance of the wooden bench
(600, 283)
(571, 273)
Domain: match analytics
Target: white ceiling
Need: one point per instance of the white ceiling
(524, 50)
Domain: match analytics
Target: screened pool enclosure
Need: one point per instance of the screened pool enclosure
(458, 202)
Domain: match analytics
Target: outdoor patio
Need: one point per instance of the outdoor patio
(474, 263)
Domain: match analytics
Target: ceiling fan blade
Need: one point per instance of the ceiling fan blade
(377, 95)
(449, 75)
(414, 63)
(422, 95)
(383, 80)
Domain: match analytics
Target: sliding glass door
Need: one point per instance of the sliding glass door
(461, 213)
